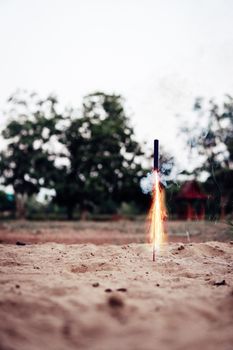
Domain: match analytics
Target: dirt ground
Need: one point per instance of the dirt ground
(110, 297)
(118, 232)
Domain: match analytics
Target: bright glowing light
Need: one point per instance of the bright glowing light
(156, 216)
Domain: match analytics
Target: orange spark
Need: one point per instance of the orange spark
(156, 216)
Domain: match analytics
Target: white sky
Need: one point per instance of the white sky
(159, 54)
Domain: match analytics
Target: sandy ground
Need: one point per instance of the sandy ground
(119, 232)
(111, 297)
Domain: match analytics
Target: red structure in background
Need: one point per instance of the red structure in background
(191, 201)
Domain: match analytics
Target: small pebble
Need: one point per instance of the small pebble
(95, 284)
(220, 283)
(20, 243)
(115, 302)
(122, 290)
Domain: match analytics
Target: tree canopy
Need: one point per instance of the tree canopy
(104, 158)
(28, 159)
(90, 157)
(213, 142)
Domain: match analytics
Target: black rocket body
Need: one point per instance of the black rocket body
(156, 168)
(156, 155)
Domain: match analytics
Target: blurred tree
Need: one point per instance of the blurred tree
(105, 160)
(28, 160)
(220, 185)
(214, 143)
(7, 202)
(91, 158)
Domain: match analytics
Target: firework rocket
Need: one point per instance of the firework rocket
(156, 168)
(157, 212)
(156, 155)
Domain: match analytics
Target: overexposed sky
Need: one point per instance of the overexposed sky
(159, 54)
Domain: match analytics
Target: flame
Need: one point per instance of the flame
(156, 216)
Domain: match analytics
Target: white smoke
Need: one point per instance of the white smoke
(147, 183)
(165, 177)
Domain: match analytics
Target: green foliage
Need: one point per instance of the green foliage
(213, 139)
(104, 158)
(214, 143)
(220, 187)
(34, 206)
(7, 202)
(89, 157)
(27, 161)
(129, 209)
(171, 202)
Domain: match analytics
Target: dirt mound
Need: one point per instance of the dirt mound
(57, 296)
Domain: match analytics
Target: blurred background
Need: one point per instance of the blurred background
(85, 88)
